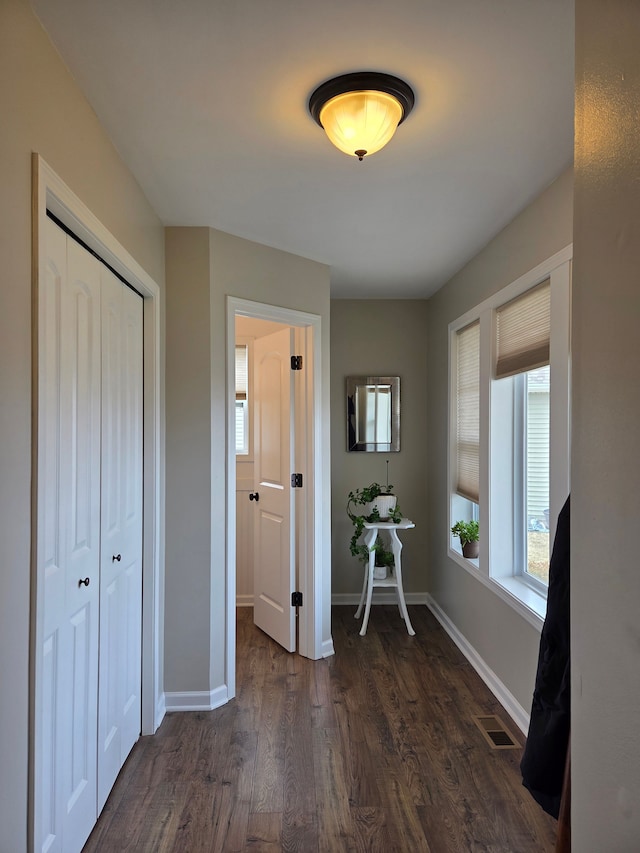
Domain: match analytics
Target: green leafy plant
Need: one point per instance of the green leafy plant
(365, 495)
(357, 500)
(466, 531)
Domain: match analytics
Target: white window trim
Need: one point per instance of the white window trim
(529, 602)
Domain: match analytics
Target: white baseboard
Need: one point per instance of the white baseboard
(161, 710)
(495, 685)
(244, 600)
(197, 700)
(380, 597)
(327, 648)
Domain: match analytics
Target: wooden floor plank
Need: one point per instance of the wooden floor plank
(300, 832)
(331, 781)
(299, 796)
(230, 824)
(197, 818)
(268, 785)
(264, 832)
(374, 749)
(371, 833)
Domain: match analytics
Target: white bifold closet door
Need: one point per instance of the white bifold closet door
(120, 657)
(89, 540)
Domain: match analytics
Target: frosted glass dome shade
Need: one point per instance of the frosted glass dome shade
(362, 122)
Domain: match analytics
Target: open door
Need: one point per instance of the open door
(274, 526)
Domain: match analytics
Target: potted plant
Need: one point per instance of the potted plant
(372, 503)
(375, 500)
(468, 532)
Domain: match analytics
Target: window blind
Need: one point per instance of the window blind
(242, 372)
(468, 411)
(242, 436)
(523, 330)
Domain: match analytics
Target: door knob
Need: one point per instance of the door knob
(84, 582)
(116, 558)
(254, 496)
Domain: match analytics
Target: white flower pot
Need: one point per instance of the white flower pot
(380, 573)
(385, 504)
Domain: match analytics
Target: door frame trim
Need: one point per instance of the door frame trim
(50, 192)
(308, 332)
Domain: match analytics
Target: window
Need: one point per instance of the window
(468, 412)
(522, 345)
(535, 465)
(467, 416)
(242, 401)
(509, 430)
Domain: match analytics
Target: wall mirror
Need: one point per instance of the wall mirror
(373, 413)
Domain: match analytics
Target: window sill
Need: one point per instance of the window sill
(534, 602)
(525, 600)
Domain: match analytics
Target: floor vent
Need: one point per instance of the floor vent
(496, 733)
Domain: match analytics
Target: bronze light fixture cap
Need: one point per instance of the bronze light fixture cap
(360, 112)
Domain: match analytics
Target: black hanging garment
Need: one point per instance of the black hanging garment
(545, 752)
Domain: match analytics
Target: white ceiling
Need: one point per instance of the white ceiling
(206, 101)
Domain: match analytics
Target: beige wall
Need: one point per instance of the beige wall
(380, 338)
(188, 459)
(246, 270)
(605, 607)
(507, 643)
(42, 110)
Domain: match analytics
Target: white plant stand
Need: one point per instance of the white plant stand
(395, 581)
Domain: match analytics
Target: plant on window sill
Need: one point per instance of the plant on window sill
(468, 532)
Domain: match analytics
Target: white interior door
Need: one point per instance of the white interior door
(121, 530)
(69, 543)
(274, 528)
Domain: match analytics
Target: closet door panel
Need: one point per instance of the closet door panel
(52, 539)
(131, 467)
(121, 553)
(69, 543)
(51, 547)
(80, 365)
(48, 777)
(112, 370)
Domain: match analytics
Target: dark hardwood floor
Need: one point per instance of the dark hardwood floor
(374, 749)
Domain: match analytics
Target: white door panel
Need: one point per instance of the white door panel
(110, 603)
(69, 418)
(121, 560)
(52, 544)
(244, 538)
(80, 513)
(274, 539)
(52, 530)
(131, 571)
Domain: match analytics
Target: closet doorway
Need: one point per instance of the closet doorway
(94, 689)
(90, 560)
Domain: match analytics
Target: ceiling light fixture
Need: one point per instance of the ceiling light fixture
(360, 112)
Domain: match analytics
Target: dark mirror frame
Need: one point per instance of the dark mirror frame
(356, 442)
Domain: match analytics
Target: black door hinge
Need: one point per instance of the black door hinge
(296, 599)
(296, 362)
(296, 481)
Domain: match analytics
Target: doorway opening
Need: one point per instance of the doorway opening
(244, 314)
